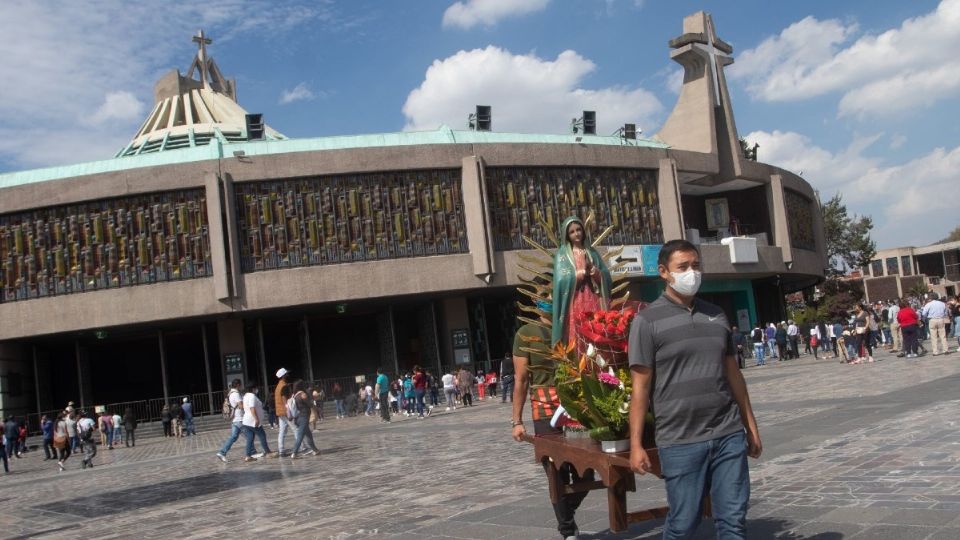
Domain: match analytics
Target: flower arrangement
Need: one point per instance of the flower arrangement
(596, 396)
(607, 332)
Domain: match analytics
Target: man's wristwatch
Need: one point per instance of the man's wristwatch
(515, 423)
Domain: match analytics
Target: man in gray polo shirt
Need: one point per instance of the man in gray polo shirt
(683, 363)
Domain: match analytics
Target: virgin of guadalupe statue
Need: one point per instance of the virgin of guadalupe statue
(581, 280)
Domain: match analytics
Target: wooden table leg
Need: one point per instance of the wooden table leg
(553, 480)
(617, 506)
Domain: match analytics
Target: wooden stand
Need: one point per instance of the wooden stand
(613, 469)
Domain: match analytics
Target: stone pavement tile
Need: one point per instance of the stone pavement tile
(945, 534)
(895, 532)
(800, 513)
(935, 518)
(819, 530)
(476, 531)
(856, 514)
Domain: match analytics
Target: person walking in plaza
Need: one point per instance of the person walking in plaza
(71, 420)
(85, 428)
(105, 426)
(465, 386)
(433, 389)
(814, 340)
(481, 380)
(11, 433)
(781, 339)
(337, 393)
(683, 365)
(534, 376)
(896, 335)
(176, 412)
(61, 439)
(252, 424)
(117, 428)
(954, 306)
(368, 399)
(235, 414)
(166, 419)
(909, 321)
(419, 389)
(301, 418)
(382, 389)
(793, 335)
(861, 325)
(449, 390)
(771, 334)
(758, 338)
(491, 384)
(506, 379)
(318, 398)
(187, 409)
(130, 426)
(46, 429)
(936, 314)
(280, 407)
(409, 395)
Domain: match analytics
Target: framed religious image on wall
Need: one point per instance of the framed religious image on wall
(718, 214)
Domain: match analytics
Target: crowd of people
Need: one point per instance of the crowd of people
(898, 325)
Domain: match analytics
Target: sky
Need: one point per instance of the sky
(861, 98)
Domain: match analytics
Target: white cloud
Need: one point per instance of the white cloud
(910, 203)
(527, 93)
(811, 58)
(905, 90)
(470, 13)
(897, 141)
(674, 81)
(121, 106)
(77, 81)
(300, 92)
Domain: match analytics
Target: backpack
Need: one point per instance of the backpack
(226, 411)
(292, 408)
(757, 335)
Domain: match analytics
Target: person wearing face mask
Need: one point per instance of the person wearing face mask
(682, 361)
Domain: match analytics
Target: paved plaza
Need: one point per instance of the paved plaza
(869, 451)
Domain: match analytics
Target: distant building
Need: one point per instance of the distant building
(896, 271)
(213, 247)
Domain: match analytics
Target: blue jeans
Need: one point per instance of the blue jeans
(369, 404)
(117, 434)
(690, 469)
(303, 432)
(234, 435)
(419, 395)
(341, 411)
(758, 353)
(772, 346)
(249, 432)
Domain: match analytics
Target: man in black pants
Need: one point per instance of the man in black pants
(541, 386)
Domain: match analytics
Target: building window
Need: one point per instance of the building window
(892, 268)
(876, 268)
(624, 198)
(104, 244)
(907, 267)
(340, 219)
(951, 261)
(800, 220)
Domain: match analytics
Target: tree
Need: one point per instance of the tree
(952, 237)
(848, 237)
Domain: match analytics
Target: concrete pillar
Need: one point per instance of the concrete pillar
(476, 216)
(218, 244)
(231, 341)
(232, 237)
(36, 377)
(778, 218)
(453, 316)
(163, 367)
(206, 366)
(264, 382)
(668, 193)
(76, 348)
(307, 355)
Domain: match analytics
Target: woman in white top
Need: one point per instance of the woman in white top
(252, 422)
(450, 390)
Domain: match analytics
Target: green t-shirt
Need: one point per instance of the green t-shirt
(537, 378)
(543, 394)
(383, 382)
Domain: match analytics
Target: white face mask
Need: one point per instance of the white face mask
(686, 283)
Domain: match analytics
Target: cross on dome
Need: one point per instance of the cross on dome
(201, 59)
